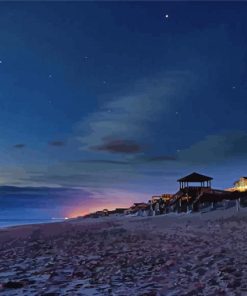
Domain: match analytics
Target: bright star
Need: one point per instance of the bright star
(166, 16)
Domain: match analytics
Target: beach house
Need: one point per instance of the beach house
(241, 184)
(191, 188)
(166, 197)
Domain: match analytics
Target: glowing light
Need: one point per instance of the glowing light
(241, 185)
(241, 188)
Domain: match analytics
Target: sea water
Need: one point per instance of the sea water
(16, 222)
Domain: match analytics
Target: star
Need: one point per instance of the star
(1, 62)
(234, 87)
(176, 113)
(104, 82)
(166, 16)
(50, 76)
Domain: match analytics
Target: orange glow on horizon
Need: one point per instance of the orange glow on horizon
(77, 212)
(109, 200)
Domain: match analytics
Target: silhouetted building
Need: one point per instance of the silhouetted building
(204, 181)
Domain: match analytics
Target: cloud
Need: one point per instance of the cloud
(132, 161)
(57, 143)
(160, 158)
(119, 140)
(216, 148)
(132, 116)
(19, 146)
(40, 197)
(132, 173)
(103, 161)
(118, 146)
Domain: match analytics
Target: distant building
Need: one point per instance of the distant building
(137, 206)
(241, 184)
(166, 197)
(118, 211)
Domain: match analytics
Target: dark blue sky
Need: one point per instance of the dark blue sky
(116, 101)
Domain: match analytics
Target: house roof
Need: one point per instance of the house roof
(195, 177)
(139, 204)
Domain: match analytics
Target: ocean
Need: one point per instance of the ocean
(15, 222)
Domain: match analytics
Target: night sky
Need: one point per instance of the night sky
(105, 104)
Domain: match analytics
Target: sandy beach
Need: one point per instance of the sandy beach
(188, 254)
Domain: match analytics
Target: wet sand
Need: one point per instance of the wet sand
(190, 254)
